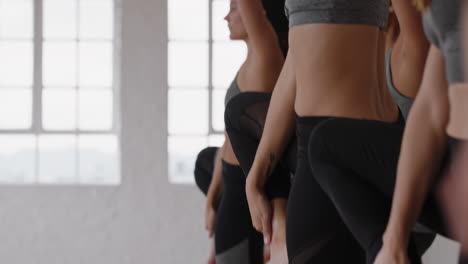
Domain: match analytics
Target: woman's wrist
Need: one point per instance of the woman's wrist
(256, 178)
(279, 210)
(260, 170)
(395, 239)
(213, 196)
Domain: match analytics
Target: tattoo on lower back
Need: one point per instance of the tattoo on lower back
(271, 165)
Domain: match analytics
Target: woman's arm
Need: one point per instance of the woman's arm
(423, 147)
(261, 34)
(411, 49)
(214, 194)
(279, 126)
(455, 185)
(409, 18)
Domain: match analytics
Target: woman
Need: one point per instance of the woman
(235, 239)
(246, 112)
(343, 163)
(357, 169)
(455, 185)
(322, 78)
(436, 127)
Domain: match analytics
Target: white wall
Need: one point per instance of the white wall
(145, 220)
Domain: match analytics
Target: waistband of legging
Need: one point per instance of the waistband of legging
(310, 120)
(233, 174)
(313, 120)
(454, 144)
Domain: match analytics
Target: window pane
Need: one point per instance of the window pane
(218, 109)
(188, 111)
(220, 27)
(57, 159)
(96, 19)
(60, 19)
(188, 19)
(188, 64)
(227, 59)
(59, 109)
(59, 64)
(16, 67)
(95, 64)
(17, 158)
(15, 108)
(98, 159)
(216, 140)
(16, 18)
(183, 152)
(95, 110)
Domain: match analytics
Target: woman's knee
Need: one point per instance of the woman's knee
(204, 166)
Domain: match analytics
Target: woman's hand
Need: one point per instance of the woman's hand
(210, 216)
(388, 255)
(260, 208)
(394, 249)
(214, 194)
(279, 252)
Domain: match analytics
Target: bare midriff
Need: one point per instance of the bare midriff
(458, 122)
(337, 72)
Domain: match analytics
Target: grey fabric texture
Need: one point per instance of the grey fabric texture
(232, 91)
(403, 102)
(441, 25)
(235, 255)
(367, 12)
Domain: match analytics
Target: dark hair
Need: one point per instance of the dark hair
(277, 17)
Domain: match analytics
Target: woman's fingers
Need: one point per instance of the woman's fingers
(266, 226)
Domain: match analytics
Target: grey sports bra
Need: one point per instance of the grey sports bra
(403, 102)
(232, 91)
(441, 25)
(369, 12)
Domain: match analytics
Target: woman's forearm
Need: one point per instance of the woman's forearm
(279, 124)
(423, 147)
(215, 189)
(420, 160)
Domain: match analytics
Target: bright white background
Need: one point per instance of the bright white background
(55, 88)
(201, 66)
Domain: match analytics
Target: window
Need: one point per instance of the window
(58, 114)
(202, 64)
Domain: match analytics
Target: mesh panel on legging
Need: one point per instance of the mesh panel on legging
(236, 240)
(245, 119)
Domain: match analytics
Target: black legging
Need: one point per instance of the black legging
(236, 241)
(245, 118)
(315, 231)
(355, 162)
(204, 167)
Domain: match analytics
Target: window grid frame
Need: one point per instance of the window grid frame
(212, 136)
(37, 86)
(36, 128)
(210, 87)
